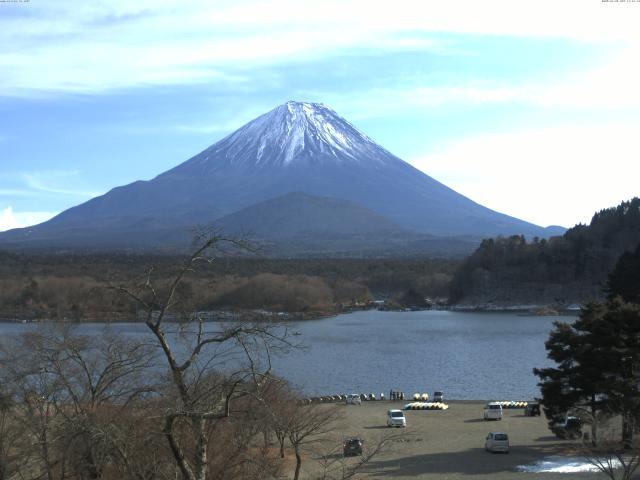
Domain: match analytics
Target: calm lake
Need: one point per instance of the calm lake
(468, 355)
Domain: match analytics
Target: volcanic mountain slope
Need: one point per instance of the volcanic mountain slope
(297, 147)
(299, 215)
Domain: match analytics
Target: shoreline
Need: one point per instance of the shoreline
(268, 316)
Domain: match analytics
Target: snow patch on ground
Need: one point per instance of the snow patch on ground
(560, 465)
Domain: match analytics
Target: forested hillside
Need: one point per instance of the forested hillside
(562, 270)
(75, 286)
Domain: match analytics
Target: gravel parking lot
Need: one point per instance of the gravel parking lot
(450, 444)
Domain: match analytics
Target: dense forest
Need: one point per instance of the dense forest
(562, 270)
(504, 271)
(76, 287)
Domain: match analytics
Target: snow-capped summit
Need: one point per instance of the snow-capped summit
(292, 133)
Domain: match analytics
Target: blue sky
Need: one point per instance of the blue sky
(531, 108)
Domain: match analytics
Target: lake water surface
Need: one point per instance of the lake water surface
(468, 355)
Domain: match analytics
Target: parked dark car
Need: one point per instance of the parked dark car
(568, 428)
(352, 446)
(532, 409)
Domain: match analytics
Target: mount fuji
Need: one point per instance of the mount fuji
(297, 172)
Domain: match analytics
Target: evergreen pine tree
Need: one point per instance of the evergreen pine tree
(624, 279)
(598, 366)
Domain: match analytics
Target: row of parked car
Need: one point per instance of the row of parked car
(494, 441)
(499, 441)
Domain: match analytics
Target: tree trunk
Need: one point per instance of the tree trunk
(178, 454)
(594, 423)
(45, 449)
(281, 439)
(296, 475)
(627, 429)
(201, 448)
(90, 468)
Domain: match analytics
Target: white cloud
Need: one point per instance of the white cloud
(49, 181)
(96, 46)
(558, 176)
(10, 219)
(612, 85)
(575, 19)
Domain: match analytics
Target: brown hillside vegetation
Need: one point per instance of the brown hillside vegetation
(292, 293)
(75, 287)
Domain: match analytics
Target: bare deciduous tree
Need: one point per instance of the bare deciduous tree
(611, 454)
(103, 406)
(615, 461)
(240, 354)
(335, 467)
(72, 392)
(12, 437)
(307, 426)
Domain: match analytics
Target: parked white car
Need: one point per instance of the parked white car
(497, 442)
(438, 396)
(354, 399)
(396, 418)
(492, 411)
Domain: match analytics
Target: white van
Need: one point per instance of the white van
(396, 418)
(497, 442)
(492, 411)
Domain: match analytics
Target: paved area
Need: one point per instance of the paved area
(450, 444)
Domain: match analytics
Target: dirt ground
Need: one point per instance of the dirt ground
(448, 444)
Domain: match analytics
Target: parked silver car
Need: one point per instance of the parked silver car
(497, 442)
(492, 411)
(354, 399)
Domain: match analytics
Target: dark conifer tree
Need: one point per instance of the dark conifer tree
(598, 366)
(624, 279)
(576, 383)
(619, 333)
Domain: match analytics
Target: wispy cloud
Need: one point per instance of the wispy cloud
(610, 85)
(94, 47)
(10, 219)
(56, 182)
